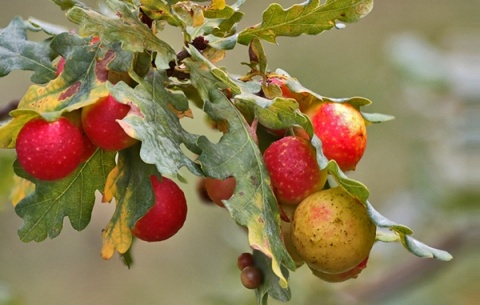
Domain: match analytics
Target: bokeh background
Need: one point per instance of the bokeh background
(416, 60)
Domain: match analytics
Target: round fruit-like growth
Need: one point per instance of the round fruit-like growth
(49, 150)
(332, 231)
(294, 172)
(244, 260)
(99, 121)
(251, 277)
(167, 215)
(218, 189)
(341, 277)
(343, 132)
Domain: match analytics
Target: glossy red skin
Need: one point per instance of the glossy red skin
(343, 133)
(341, 277)
(218, 189)
(99, 122)
(294, 172)
(49, 150)
(244, 260)
(88, 147)
(167, 215)
(251, 277)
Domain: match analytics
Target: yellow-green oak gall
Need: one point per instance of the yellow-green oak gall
(332, 231)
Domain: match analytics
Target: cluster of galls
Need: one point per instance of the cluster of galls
(250, 275)
(323, 227)
(53, 150)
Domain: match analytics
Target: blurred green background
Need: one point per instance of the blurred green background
(416, 60)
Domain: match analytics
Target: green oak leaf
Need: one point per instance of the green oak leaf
(157, 126)
(269, 285)
(310, 17)
(422, 250)
(127, 29)
(6, 178)
(383, 222)
(404, 235)
(158, 10)
(279, 113)
(10, 130)
(236, 154)
(68, 4)
(216, 26)
(229, 21)
(308, 98)
(386, 236)
(377, 117)
(257, 55)
(36, 25)
(129, 183)
(43, 210)
(18, 53)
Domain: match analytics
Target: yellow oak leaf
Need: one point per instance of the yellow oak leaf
(218, 4)
(117, 235)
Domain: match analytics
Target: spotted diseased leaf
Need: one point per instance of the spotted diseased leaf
(127, 29)
(310, 17)
(253, 203)
(18, 53)
(44, 209)
(157, 126)
(129, 183)
(81, 83)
